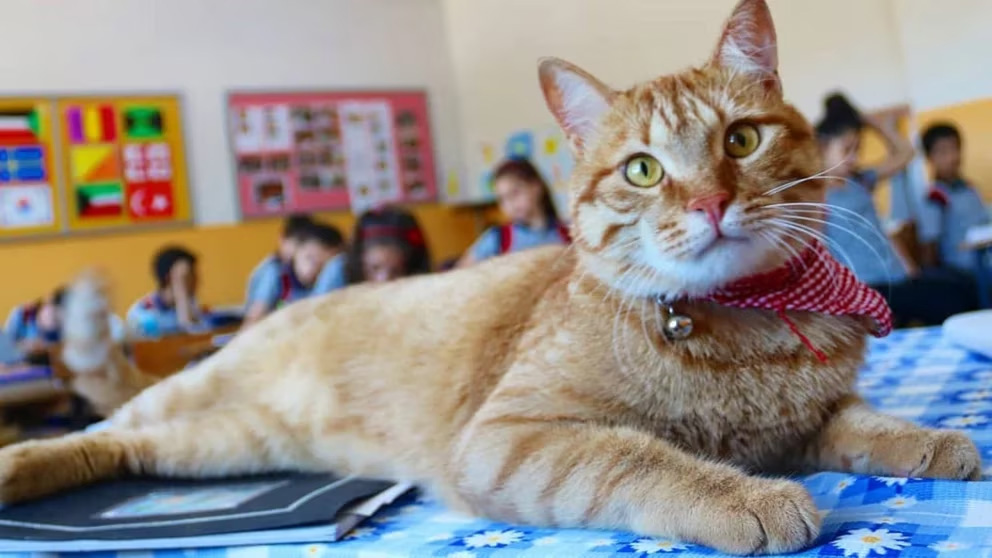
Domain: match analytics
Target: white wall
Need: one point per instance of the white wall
(204, 48)
(848, 44)
(947, 50)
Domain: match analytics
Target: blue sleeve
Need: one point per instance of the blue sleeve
(487, 245)
(264, 285)
(930, 223)
(143, 321)
(13, 328)
(869, 179)
(331, 277)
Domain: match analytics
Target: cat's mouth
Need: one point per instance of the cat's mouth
(721, 240)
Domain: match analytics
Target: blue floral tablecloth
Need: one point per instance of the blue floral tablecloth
(914, 374)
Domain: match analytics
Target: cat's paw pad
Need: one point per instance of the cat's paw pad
(952, 455)
(764, 517)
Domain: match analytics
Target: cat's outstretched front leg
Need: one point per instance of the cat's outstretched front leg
(861, 440)
(559, 470)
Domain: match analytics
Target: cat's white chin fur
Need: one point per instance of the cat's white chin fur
(718, 265)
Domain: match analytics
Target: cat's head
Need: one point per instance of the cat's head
(674, 177)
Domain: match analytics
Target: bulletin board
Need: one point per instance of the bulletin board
(123, 161)
(313, 151)
(29, 187)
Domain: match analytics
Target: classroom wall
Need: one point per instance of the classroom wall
(495, 45)
(227, 256)
(203, 49)
(948, 73)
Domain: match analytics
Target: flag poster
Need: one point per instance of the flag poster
(28, 185)
(123, 160)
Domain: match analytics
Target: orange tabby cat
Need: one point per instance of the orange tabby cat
(537, 388)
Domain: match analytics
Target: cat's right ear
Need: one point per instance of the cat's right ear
(576, 98)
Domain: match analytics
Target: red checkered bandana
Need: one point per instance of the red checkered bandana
(812, 282)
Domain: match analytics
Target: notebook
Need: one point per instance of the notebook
(152, 514)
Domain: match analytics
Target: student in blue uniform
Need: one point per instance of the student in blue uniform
(266, 276)
(854, 230)
(525, 200)
(952, 206)
(36, 326)
(317, 267)
(173, 307)
(387, 244)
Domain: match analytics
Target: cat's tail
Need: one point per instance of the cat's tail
(102, 374)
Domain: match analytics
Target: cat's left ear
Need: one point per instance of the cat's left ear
(749, 44)
(577, 99)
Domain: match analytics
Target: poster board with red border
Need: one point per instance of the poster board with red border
(30, 193)
(123, 161)
(312, 151)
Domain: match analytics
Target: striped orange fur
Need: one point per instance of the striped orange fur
(537, 387)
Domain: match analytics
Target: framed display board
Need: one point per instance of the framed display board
(123, 161)
(310, 151)
(29, 187)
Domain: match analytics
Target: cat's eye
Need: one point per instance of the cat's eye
(643, 171)
(741, 140)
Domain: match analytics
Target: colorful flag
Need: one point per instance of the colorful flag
(94, 164)
(22, 164)
(100, 200)
(143, 122)
(25, 206)
(91, 124)
(19, 126)
(150, 200)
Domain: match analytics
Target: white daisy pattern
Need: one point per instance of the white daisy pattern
(843, 484)
(887, 520)
(653, 546)
(900, 502)
(976, 395)
(493, 538)
(863, 542)
(599, 543)
(892, 481)
(948, 546)
(964, 421)
(440, 537)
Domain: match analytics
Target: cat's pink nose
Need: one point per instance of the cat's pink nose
(711, 205)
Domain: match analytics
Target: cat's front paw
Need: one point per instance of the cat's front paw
(952, 456)
(761, 516)
(936, 454)
(22, 474)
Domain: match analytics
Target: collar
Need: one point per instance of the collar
(812, 282)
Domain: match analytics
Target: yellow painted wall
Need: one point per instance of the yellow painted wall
(227, 254)
(974, 119)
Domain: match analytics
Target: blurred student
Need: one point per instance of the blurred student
(525, 199)
(317, 267)
(388, 244)
(952, 205)
(36, 326)
(854, 232)
(265, 278)
(173, 307)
